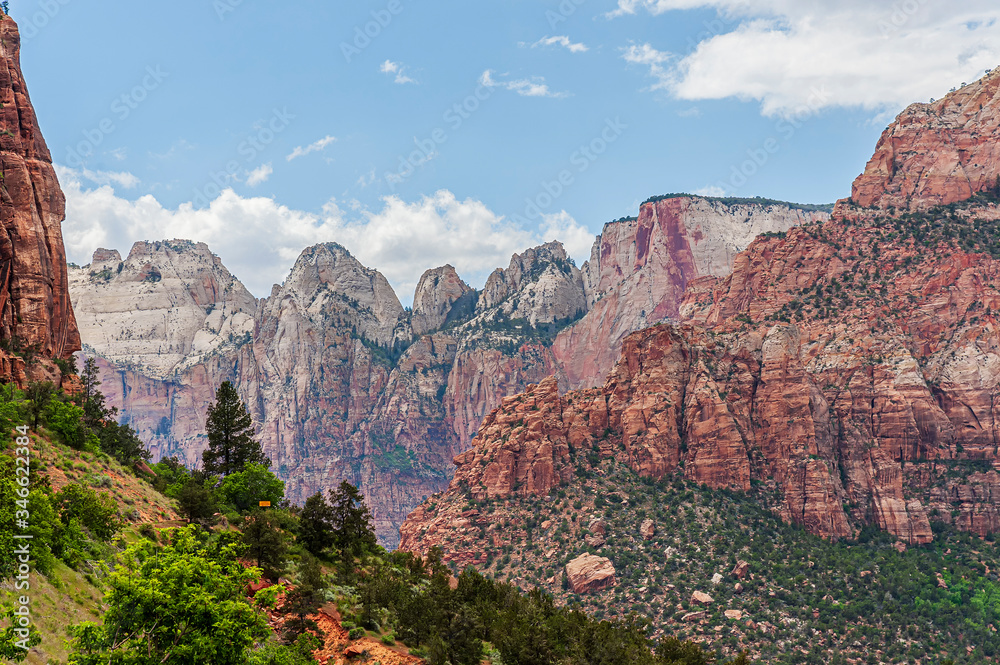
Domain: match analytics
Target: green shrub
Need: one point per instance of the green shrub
(356, 633)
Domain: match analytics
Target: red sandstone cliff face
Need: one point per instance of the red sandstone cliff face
(936, 153)
(35, 311)
(843, 365)
(853, 365)
(639, 268)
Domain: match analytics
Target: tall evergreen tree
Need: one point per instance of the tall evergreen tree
(231, 444)
(94, 410)
(266, 543)
(352, 521)
(316, 525)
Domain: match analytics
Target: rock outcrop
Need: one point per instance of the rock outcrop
(936, 153)
(590, 574)
(640, 267)
(36, 318)
(434, 301)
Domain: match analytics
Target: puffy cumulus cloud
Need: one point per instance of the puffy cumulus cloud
(804, 55)
(577, 240)
(259, 240)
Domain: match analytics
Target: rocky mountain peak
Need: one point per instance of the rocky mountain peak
(165, 307)
(437, 292)
(327, 273)
(936, 153)
(541, 285)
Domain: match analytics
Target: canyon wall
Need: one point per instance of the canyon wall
(343, 383)
(36, 319)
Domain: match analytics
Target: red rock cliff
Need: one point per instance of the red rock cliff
(936, 153)
(35, 310)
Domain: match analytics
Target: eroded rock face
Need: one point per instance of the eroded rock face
(936, 153)
(590, 574)
(437, 292)
(853, 371)
(639, 268)
(35, 310)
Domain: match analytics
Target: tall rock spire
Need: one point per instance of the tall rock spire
(35, 310)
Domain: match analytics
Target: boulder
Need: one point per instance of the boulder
(716, 579)
(741, 569)
(693, 616)
(734, 614)
(701, 598)
(588, 573)
(647, 529)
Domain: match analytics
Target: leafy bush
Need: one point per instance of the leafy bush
(245, 489)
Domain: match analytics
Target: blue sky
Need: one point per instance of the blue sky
(261, 128)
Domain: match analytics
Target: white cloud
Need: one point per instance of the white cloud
(120, 178)
(561, 40)
(795, 56)
(119, 154)
(710, 190)
(312, 147)
(533, 87)
(577, 240)
(402, 240)
(390, 67)
(366, 179)
(260, 174)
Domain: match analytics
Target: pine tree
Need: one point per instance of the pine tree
(352, 521)
(266, 543)
(94, 409)
(316, 525)
(231, 445)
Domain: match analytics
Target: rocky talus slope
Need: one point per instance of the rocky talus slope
(346, 384)
(36, 318)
